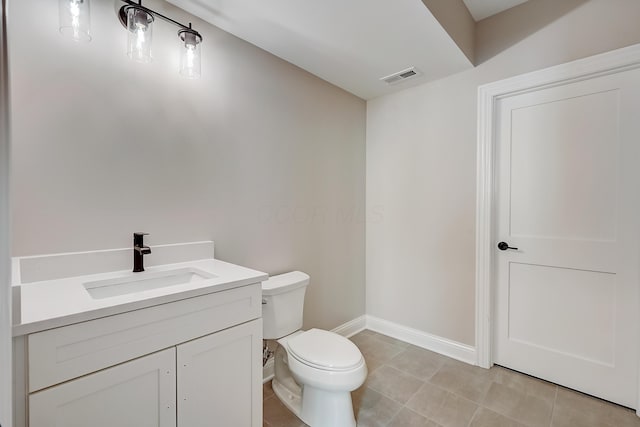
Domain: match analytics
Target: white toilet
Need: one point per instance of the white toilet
(316, 370)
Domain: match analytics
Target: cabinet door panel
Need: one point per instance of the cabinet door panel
(220, 378)
(139, 393)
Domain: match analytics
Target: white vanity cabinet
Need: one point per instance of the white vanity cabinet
(141, 393)
(188, 363)
(217, 378)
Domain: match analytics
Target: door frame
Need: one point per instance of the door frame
(6, 383)
(612, 62)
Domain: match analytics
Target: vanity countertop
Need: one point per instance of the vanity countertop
(55, 303)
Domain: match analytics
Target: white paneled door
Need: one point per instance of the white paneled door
(568, 182)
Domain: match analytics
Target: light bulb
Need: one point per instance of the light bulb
(190, 54)
(140, 26)
(139, 39)
(75, 20)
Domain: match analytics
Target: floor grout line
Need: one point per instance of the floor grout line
(553, 408)
(474, 416)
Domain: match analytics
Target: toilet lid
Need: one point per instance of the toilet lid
(325, 350)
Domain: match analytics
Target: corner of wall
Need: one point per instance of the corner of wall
(457, 21)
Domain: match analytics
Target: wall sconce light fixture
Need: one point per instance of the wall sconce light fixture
(75, 19)
(138, 20)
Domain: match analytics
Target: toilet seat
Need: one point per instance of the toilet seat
(349, 368)
(325, 350)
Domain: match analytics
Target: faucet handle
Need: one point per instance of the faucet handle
(140, 234)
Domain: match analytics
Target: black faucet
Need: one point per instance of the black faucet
(139, 250)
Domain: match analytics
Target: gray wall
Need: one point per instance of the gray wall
(259, 156)
(421, 160)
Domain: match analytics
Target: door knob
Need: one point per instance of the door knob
(503, 246)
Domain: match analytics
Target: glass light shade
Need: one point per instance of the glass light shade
(75, 19)
(140, 32)
(190, 54)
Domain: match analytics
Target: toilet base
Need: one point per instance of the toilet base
(290, 398)
(283, 384)
(317, 408)
(327, 408)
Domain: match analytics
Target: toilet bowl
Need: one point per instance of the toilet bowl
(315, 370)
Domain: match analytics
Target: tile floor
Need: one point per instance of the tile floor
(412, 387)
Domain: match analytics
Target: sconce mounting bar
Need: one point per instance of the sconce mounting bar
(122, 15)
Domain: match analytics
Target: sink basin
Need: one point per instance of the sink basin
(138, 282)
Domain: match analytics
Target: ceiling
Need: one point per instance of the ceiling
(351, 44)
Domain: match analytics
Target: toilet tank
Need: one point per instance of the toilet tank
(283, 304)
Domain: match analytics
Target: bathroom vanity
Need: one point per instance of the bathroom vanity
(177, 345)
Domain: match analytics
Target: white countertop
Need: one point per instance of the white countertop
(54, 303)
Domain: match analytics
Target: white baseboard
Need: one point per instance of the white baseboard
(348, 329)
(455, 350)
(352, 327)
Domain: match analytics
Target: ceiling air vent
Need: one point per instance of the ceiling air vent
(401, 76)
